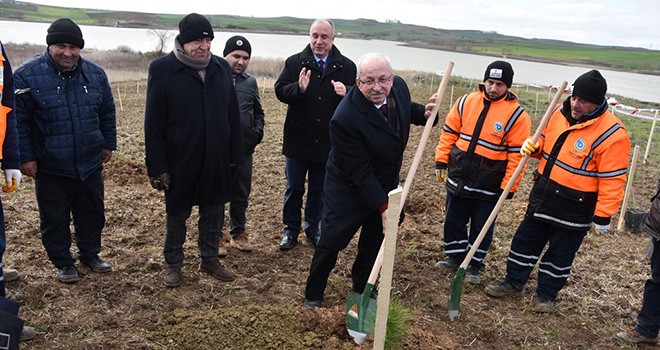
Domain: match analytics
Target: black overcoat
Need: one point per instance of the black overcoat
(364, 161)
(192, 131)
(306, 126)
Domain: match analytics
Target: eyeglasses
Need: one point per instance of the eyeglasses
(372, 82)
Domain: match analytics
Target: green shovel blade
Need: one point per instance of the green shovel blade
(360, 314)
(455, 293)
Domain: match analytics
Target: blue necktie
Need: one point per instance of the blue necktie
(321, 65)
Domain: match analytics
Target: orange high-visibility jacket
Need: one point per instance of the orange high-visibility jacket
(582, 169)
(480, 144)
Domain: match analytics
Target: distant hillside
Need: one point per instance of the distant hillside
(469, 41)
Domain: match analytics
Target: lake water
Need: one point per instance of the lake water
(639, 86)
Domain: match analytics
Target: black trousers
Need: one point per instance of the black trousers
(62, 199)
(325, 255)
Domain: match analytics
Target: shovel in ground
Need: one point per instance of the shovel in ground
(361, 308)
(456, 287)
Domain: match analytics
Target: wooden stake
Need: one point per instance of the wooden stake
(385, 286)
(451, 97)
(631, 175)
(536, 105)
(648, 144)
(121, 105)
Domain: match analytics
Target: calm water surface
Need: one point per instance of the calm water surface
(639, 86)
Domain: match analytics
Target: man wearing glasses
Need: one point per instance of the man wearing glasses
(368, 135)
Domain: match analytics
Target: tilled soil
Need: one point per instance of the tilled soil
(130, 308)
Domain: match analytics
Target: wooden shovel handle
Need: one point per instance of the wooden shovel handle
(519, 168)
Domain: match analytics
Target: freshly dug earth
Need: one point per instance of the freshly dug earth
(130, 308)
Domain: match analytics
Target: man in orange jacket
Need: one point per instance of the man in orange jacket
(478, 152)
(578, 186)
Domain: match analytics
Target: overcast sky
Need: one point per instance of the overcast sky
(633, 23)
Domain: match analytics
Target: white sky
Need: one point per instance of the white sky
(608, 22)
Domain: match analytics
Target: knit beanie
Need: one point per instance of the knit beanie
(500, 70)
(63, 30)
(591, 86)
(194, 26)
(237, 42)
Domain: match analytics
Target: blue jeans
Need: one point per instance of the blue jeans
(59, 198)
(208, 225)
(241, 187)
(296, 171)
(460, 211)
(526, 248)
(648, 319)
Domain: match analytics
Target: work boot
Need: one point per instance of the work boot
(68, 274)
(447, 265)
(632, 336)
(312, 304)
(10, 275)
(214, 268)
(472, 275)
(173, 277)
(28, 333)
(501, 290)
(544, 306)
(241, 242)
(96, 264)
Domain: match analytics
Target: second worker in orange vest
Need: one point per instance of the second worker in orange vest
(578, 186)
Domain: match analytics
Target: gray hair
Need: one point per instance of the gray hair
(319, 20)
(372, 56)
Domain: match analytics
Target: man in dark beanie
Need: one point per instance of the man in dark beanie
(237, 52)
(500, 70)
(64, 30)
(483, 133)
(578, 186)
(591, 86)
(193, 143)
(67, 129)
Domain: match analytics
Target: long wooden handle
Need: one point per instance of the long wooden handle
(427, 131)
(373, 276)
(519, 169)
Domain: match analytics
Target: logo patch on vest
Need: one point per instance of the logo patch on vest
(580, 145)
(498, 127)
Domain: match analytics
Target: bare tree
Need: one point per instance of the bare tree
(163, 36)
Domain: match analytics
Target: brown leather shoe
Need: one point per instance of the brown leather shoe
(241, 242)
(214, 268)
(10, 274)
(173, 277)
(222, 251)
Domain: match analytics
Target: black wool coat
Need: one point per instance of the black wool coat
(192, 131)
(306, 125)
(364, 162)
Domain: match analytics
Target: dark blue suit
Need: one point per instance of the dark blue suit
(363, 166)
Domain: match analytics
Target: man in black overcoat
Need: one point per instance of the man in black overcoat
(368, 136)
(312, 84)
(192, 139)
